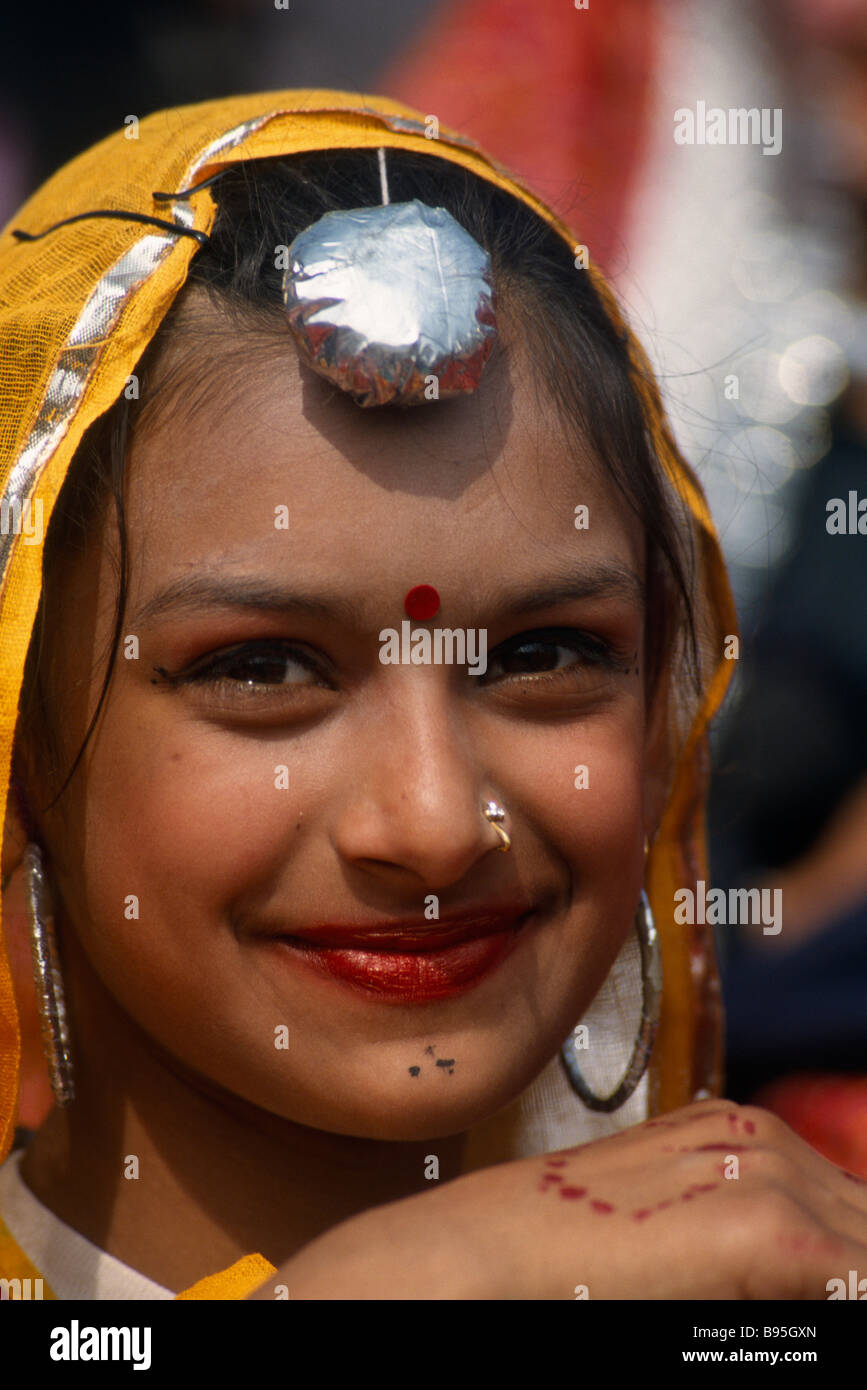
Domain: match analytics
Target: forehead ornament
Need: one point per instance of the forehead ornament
(391, 303)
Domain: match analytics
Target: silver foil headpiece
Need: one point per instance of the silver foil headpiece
(391, 303)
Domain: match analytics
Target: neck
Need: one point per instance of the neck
(217, 1177)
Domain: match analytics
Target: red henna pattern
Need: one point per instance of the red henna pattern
(572, 1191)
(603, 1207)
(749, 1127)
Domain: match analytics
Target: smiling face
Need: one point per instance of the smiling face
(258, 772)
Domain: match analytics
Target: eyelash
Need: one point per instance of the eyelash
(594, 650)
(210, 670)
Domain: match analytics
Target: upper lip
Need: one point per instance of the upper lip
(411, 934)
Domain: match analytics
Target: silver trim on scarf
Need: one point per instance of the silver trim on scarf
(78, 358)
(74, 369)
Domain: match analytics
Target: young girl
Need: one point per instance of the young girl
(348, 982)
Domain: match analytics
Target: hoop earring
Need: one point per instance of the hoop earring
(49, 984)
(651, 999)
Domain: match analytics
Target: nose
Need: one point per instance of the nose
(416, 799)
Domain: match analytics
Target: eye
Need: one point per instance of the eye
(551, 653)
(250, 666)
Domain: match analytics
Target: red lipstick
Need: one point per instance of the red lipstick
(410, 960)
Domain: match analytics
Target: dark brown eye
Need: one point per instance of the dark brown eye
(535, 656)
(260, 668)
(251, 664)
(551, 650)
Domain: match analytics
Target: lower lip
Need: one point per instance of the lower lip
(409, 978)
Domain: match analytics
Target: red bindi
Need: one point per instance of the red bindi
(422, 602)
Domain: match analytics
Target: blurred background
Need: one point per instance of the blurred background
(743, 270)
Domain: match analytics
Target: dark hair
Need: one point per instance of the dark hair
(579, 355)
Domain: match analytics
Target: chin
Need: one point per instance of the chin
(414, 1112)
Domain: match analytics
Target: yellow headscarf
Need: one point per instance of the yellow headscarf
(77, 310)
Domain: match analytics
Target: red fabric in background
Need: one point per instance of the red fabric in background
(557, 94)
(829, 1112)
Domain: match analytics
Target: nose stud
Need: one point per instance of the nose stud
(495, 815)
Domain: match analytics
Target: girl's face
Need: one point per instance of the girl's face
(259, 772)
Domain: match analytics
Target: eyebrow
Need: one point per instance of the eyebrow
(203, 592)
(198, 593)
(598, 579)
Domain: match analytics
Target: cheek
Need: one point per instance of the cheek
(582, 786)
(583, 790)
(178, 822)
(180, 825)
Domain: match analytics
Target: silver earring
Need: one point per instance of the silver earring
(46, 972)
(651, 998)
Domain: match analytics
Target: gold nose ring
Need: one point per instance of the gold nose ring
(495, 814)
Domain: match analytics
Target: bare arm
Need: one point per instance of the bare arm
(712, 1201)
